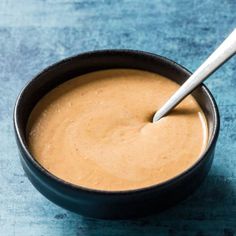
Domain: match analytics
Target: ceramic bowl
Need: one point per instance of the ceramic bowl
(112, 204)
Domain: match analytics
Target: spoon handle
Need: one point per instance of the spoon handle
(226, 50)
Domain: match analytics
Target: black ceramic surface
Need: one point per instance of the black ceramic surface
(105, 204)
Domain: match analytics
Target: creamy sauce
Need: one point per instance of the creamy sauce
(95, 131)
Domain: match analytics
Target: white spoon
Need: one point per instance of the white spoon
(226, 50)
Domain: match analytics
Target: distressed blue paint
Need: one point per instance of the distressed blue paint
(36, 33)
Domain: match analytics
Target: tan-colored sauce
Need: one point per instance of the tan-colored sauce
(95, 131)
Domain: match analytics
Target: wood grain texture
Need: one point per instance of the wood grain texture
(35, 33)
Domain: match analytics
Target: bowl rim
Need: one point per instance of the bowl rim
(124, 52)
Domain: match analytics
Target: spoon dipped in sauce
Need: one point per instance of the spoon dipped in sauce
(224, 52)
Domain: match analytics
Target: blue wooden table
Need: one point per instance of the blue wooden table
(36, 33)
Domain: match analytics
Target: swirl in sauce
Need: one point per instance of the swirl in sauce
(95, 131)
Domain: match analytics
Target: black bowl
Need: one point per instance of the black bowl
(112, 204)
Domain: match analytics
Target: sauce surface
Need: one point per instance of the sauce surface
(95, 131)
